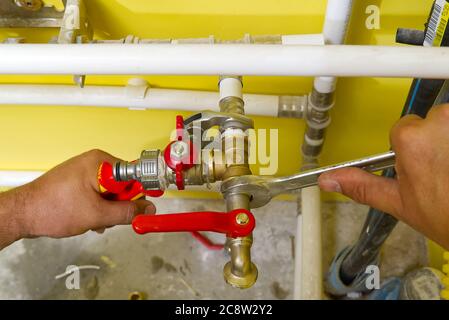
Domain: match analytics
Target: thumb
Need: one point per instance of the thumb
(363, 187)
(123, 212)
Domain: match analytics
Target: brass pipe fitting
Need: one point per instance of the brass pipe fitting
(239, 272)
(206, 172)
(317, 119)
(232, 105)
(213, 166)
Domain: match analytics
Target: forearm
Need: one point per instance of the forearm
(12, 212)
(64, 202)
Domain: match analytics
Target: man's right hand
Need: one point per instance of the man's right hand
(419, 195)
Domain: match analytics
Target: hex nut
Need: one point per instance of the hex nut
(178, 150)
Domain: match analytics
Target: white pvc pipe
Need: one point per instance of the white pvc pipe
(336, 21)
(311, 273)
(312, 39)
(297, 276)
(203, 59)
(308, 264)
(231, 87)
(12, 179)
(133, 97)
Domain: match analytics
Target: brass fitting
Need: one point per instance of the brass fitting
(239, 272)
(208, 171)
(213, 170)
(318, 119)
(232, 105)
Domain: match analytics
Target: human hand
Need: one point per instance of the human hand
(419, 195)
(66, 201)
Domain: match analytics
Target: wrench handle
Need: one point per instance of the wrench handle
(310, 177)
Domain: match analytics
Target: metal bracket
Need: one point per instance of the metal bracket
(208, 119)
(36, 15)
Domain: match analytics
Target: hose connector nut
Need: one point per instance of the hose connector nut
(149, 170)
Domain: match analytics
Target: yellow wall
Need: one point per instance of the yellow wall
(37, 138)
(40, 137)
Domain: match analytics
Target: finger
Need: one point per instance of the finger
(440, 111)
(363, 187)
(123, 212)
(145, 207)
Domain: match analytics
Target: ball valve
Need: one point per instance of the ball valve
(178, 164)
(189, 161)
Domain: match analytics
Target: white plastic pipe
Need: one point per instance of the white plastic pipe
(233, 59)
(131, 96)
(297, 277)
(311, 39)
(336, 21)
(308, 264)
(231, 87)
(11, 179)
(311, 273)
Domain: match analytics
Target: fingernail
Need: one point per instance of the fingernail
(150, 209)
(329, 185)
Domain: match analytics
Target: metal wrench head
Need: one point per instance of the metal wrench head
(255, 187)
(262, 189)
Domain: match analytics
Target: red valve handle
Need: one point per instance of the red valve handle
(121, 190)
(180, 165)
(236, 223)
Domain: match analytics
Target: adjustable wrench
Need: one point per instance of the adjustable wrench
(261, 189)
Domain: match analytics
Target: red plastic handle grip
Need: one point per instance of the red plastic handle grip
(236, 223)
(121, 190)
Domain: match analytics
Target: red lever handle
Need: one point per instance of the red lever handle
(121, 190)
(236, 223)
